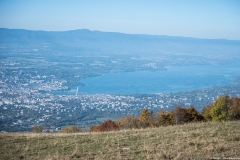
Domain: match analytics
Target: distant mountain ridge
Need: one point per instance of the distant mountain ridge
(103, 40)
(25, 35)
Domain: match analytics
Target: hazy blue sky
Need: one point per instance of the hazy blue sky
(189, 18)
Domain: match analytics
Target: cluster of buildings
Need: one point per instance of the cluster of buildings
(27, 98)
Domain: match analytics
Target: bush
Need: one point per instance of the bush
(71, 129)
(36, 129)
(106, 126)
(94, 129)
(234, 108)
(179, 115)
(164, 118)
(193, 115)
(186, 115)
(128, 122)
(145, 119)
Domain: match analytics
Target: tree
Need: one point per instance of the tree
(145, 119)
(219, 110)
(186, 115)
(71, 129)
(234, 108)
(193, 115)
(36, 129)
(179, 115)
(164, 118)
(206, 113)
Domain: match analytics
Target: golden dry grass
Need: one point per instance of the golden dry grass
(191, 141)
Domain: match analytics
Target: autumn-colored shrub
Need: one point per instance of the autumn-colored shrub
(145, 119)
(193, 115)
(186, 115)
(71, 129)
(94, 129)
(234, 108)
(106, 126)
(36, 129)
(164, 119)
(128, 122)
(179, 115)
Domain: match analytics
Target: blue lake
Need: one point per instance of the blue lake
(173, 79)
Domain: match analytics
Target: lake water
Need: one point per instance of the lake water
(173, 79)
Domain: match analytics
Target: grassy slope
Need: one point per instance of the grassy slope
(194, 141)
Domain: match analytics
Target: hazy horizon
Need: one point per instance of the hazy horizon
(197, 19)
(122, 33)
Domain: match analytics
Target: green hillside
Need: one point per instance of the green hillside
(191, 141)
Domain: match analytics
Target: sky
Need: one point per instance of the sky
(211, 19)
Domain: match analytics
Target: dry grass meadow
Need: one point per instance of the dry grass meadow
(190, 141)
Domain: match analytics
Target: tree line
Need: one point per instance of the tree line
(223, 109)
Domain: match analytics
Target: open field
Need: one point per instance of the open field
(191, 141)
